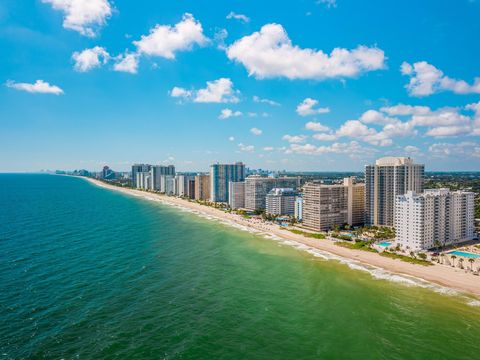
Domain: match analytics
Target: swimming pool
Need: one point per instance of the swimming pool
(385, 244)
(464, 254)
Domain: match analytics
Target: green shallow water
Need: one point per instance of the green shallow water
(88, 273)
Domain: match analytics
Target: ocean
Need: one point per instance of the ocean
(90, 273)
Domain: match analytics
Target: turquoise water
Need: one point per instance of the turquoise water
(88, 273)
(464, 254)
(385, 244)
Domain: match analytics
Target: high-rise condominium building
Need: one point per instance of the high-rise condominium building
(299, 208)
(437, 217)
(236, 194)
(220, 176)
(384, 181)
(136, 168)
(183, 185)
(281, 201)
(355, 202)
(257, 187)
(325, 206)
(143, 180)
(157, 171)
(202, 187)
(167, 184)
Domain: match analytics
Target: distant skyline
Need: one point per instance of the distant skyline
(311, 85)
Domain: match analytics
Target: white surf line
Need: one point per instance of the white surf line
(375, 272)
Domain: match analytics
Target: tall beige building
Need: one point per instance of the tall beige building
(384, 181)
(356, 202)
(236, 194)
(202, 187)
(325, 206)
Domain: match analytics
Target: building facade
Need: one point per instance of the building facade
(157, 171)
(437, 217)
(137, 168)
(183, 185)
(202, 187)
(355, 202)
(144, 180)
(299, 208)
(281, 201)
(257, 187)
(384, 181)
(220, 176)
(324, 206)
(236, 194)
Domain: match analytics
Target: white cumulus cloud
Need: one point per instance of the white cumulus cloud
(316, 126)
(270, 53)
(306, 108)
(216, 91)
(426, 79)
(228, 113)
(294, 139)
(127, 62)
(165, 40)
(89, 59)
(83, 16)
(39, 87)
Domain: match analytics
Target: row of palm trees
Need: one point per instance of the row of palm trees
(461, 260)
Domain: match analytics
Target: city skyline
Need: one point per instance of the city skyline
(307, 87)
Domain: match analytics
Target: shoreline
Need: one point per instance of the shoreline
(436, 275)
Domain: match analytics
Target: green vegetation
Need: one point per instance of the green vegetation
(377, 232)
(358, 245)
(307, 234)
(344, 237)
(408, 259)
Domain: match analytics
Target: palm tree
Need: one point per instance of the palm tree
(453, 257)
(471, 261)
(461, 262)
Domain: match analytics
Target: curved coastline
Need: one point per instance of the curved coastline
(438, 278)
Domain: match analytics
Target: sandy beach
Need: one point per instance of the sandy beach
(444, 276)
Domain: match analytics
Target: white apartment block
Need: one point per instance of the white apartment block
(299, 208)
(281, 201)
(236, 194)
(437, 217)
(143, 180)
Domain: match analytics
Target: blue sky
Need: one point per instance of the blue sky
(298, 85)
